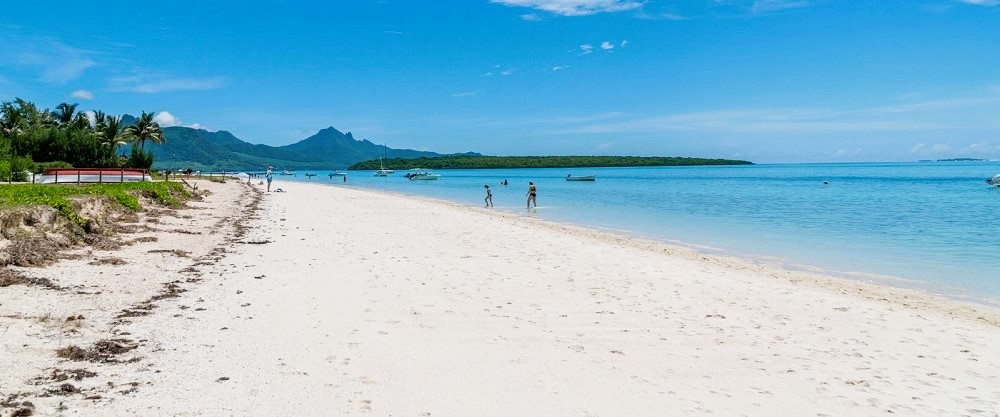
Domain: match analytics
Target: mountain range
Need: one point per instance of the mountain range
(329, 148)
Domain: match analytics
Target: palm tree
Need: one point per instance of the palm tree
(144, 129)
(11, 121)
(65, 113)
(108, 129)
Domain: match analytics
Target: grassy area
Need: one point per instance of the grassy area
(57, 196)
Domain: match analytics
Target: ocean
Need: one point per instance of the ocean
(926, 225)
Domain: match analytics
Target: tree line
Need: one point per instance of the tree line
(32, 138)
(497, 162)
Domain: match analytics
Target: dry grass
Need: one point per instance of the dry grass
(10, 277)
(176, 252)
(103, 351)
(33, 250)
(111, 260)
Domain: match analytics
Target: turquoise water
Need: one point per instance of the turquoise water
(931, 223)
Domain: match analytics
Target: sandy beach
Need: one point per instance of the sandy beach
(337, 301)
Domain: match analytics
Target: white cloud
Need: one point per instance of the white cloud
(57, 62)
(586, 49)
(466, 94)
(163, 84)
(560, 67)
(198, 126)
(165, 119)
(82, 94)
(91, 117)
(624, 43)
(937, 148)
(981, 148)
(607, 46)
(531, 17)
(765, 6)
(574, 7)
(507, 72)
(981, 2)
(840, 153)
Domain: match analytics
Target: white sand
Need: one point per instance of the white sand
(365, 302)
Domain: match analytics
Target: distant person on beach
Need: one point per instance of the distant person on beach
(270, 177)
(489, 196)
(531, 194)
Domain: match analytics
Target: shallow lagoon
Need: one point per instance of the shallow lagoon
(930, 222)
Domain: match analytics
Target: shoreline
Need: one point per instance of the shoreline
(337, 300)
(935, 289)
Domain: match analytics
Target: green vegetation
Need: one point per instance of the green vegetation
(57, 196)
(494, 162)
(29, 134)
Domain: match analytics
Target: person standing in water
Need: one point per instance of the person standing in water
(489, 196)
(531, 194)
(269, 176)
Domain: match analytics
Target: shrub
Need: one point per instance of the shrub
(16, 168)
(42, 166)
(139, 159)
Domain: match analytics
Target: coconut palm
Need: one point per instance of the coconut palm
(108, 129)
(65, 113)
(144, 129)
(11, 121)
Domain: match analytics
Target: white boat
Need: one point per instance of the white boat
(570, 177)
(994, 181)
(422, 176)
(287, 172)
(382, 172)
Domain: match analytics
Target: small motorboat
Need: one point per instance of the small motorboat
(421, 176)
(570, 177)
(994, 181)
(287, 172)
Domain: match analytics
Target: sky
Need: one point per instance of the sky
(768, 81)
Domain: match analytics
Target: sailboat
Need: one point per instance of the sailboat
(382, 172)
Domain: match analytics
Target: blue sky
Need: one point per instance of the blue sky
(764, 80)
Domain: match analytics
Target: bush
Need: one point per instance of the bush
(139, 159)
(16, 168)
(42, 166)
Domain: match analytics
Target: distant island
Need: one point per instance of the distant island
(960, 160)
(498, 162)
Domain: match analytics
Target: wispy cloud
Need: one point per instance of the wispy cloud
(56, 62)
(981, 2)
(948, 115)
(586, 49)
(82, 94)
(844, 152)
(466, 94)
(393, 32)
(607, 46)
(560, 67)
(161, 84)
(531, 17)
(766, 6)
(574, 7)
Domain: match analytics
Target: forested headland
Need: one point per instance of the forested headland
(500, 162)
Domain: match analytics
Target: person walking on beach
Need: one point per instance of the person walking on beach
(269, 176)
(489, 196)
(531, 194)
